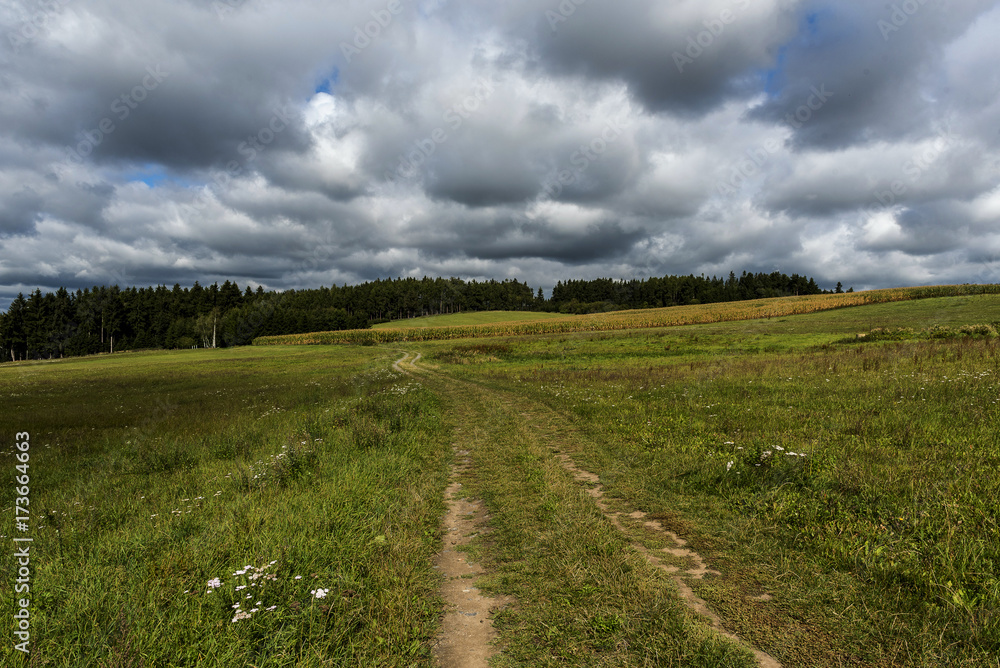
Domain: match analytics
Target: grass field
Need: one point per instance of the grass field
(852, 483)
(468, 319)
(843, 488)
(187, 508)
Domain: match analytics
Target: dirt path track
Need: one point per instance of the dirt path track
(467, 633)
(697, 570)
(466, 638)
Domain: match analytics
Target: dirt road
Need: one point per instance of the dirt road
(493, 427)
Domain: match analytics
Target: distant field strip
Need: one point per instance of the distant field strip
(634, 319)
(469, 318)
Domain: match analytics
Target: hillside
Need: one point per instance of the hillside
(634, 319)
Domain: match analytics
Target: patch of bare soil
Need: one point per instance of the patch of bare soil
(467, 634)
(696, 567)
(466, 637)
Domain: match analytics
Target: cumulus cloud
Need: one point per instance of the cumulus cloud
(303, 143)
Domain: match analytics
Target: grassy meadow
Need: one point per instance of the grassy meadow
(580, 595)
(280, 505)
(850, 482)
(228, 507)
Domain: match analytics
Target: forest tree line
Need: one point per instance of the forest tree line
(598, 294)
(110, 318)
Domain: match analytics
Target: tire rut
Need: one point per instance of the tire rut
(680, 549)
(467, 634)
(466, 638)
(696, 570)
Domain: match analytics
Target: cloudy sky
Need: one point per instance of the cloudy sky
(304, 143)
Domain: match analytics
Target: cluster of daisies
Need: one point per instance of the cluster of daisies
(255, 578)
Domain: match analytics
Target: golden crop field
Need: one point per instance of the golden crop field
(634, 319)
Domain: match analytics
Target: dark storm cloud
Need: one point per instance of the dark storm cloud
(304, 143)
(19, 212)
(676, 57)
(465, 188)
(508, 237)
(156, 83)
(481, 170)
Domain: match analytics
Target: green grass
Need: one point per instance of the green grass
(881, 546)
(466, 319)
(152, 474)
(793, 333)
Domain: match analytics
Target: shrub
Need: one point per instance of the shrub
(890, 334)
(980, 330)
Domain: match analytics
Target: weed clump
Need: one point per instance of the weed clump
(935, 332)
(475, 353)
(296, 458)
(889, 334)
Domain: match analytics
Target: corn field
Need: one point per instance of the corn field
(634, 319)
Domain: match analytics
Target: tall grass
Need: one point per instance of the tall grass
(228, 508)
